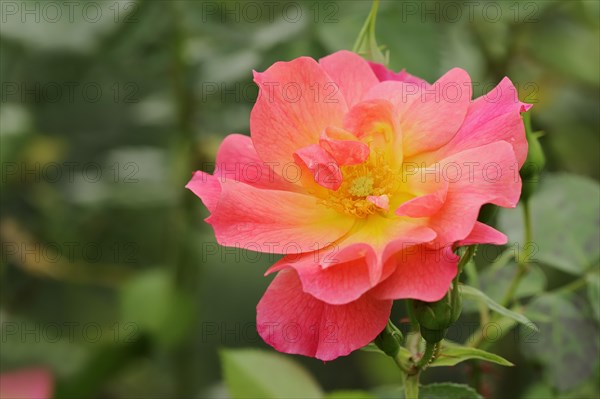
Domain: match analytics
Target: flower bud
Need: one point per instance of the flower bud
(389, 340)
(435, 317)
(535, 162)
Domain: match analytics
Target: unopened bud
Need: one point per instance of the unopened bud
(435, 317)
(389, 340)
(534, 164)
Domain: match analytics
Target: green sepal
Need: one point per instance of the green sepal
(389, 340)
(535, 162)
(435, 317)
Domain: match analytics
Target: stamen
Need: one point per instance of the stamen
(372, 178)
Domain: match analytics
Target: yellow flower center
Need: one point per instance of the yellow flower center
(361, 186)
(374, 177)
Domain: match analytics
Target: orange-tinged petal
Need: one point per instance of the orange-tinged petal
(297, 101)
(421, 272)
(274, 221)
(293, 321)
(333, 275)
(383, 73)
(206, 187)
(387, 236)
(380, 201)
(321, 165)
(484, 234)
(426, 204)
(237, 160)
(355, 263)
(351, 73)
(495, 116)
(374, 123)
(344, 147)
(486, 174)
(429, 116)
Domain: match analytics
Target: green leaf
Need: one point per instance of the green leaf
(567, 344)
(448, 390)
(252, 373)
(469, 292)
(453, 353)
(495, 282)
(154, 305)
(493, 332)
(403, 352)
(593, 291)
(349, 395)
(563, 200)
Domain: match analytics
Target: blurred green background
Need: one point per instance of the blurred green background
(111, 278)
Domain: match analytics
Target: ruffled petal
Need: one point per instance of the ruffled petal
(207, 187)
(380, 201)
(374, 122)
(421, 272)
(344, 146)
(428, 203)
(293, 321)
(321, 165)
(387, 236)
(297, 101)
(345, 270)
(351, 73)
(274, 221)
(492, 117)
(237, 160)
(333, 275)
(429, 116)
(383, 73)
(487, 174)
(484, 234)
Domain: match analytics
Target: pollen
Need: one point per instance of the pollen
(374, 177)
(361, 186)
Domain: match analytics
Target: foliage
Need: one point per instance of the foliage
(108, 276)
